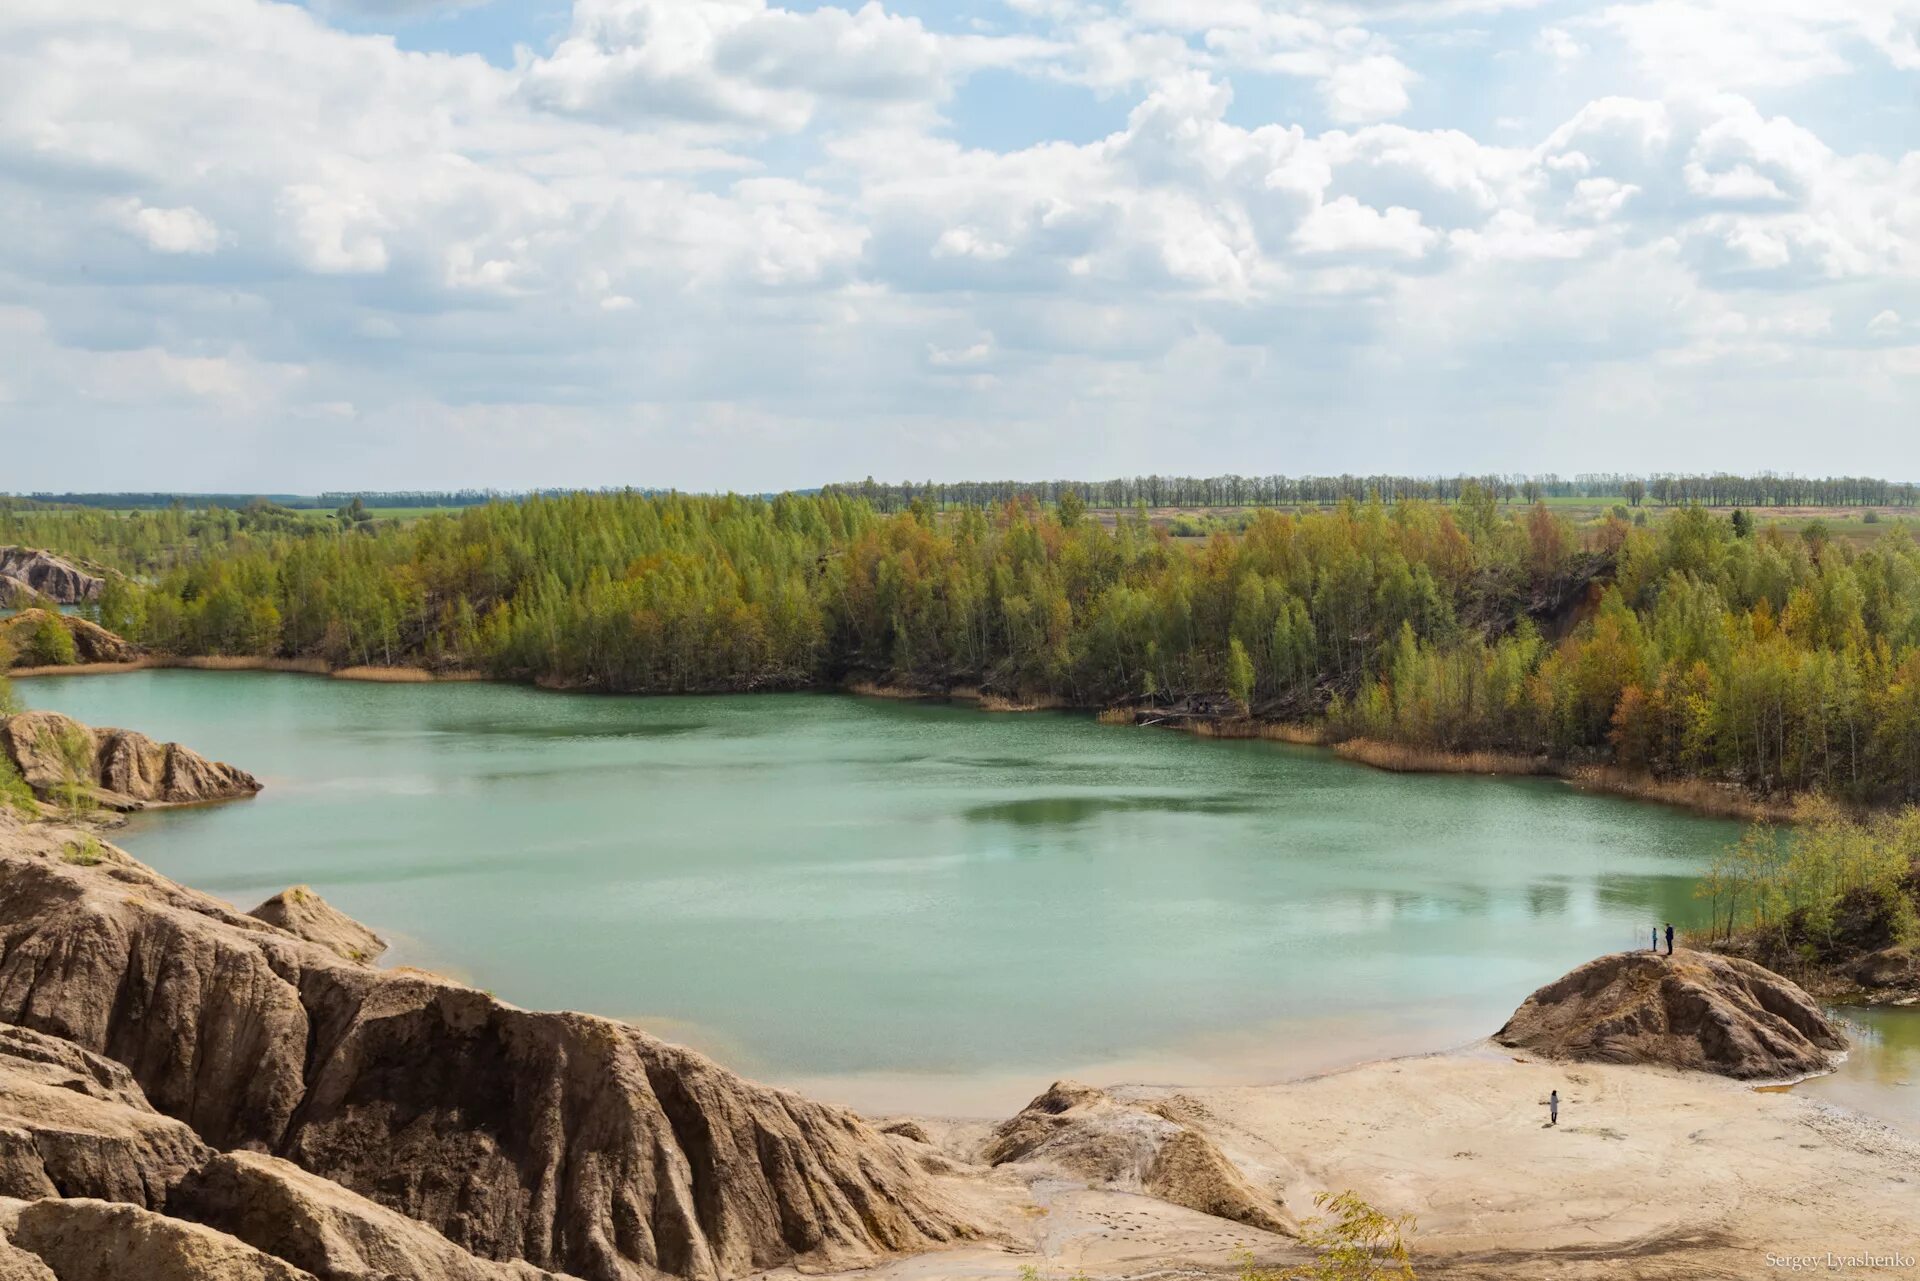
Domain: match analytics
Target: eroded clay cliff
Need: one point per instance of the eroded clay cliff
(574, 1143)
(81, 1239)
(92, 643)
(301, 912)
(15, 594)
(119, 769)
(1691, 1010)
(58, 580)
(74, 1124)
(1090, 1134)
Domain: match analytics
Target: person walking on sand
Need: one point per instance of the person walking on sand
(1553, 1108)
(1669, 938)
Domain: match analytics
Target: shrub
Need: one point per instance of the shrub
(85, 852)
(1352, 1242)
(50, 644)
(75, 752)
(14, 792)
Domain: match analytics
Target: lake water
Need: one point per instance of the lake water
(908, 905)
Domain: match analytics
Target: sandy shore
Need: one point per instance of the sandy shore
(1650, 1174)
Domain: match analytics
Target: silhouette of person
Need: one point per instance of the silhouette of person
(1656, 938)
(1669, 939)
(1553, 1108)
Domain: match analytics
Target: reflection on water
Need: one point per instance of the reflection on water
(521, 729)
(823, 886)
(1041, 811)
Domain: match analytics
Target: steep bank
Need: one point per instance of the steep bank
(574, 1143)
(1886, 973)
(117, 769)
(25, 640)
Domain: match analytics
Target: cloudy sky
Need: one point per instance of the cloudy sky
(746, 244)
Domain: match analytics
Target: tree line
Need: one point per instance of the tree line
(1691, 645)
(1664, 490)
(330, 499)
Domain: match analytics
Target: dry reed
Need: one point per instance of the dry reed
(1703, 796)
(1403, 758)
(874, 689)
(1001, 703)
(386, 675)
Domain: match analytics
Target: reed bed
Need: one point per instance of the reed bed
(1404, 758)
(1718, 800)
(402, 675)
(1001, 703)
(246, 663)
(876, 689)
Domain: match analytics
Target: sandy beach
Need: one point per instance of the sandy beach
(1651, 1173)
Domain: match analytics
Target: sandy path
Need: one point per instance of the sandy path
(1650, 1174)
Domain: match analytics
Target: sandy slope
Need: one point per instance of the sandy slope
(1651, 1173)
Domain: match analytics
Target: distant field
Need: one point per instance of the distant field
(1849, 524)
(380, 513)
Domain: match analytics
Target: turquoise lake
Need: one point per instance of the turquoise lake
(908, 905)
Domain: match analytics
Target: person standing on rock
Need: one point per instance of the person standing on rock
(1553, 1108)
(1669, 938)
(1656, 939)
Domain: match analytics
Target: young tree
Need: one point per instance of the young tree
(1240, 675)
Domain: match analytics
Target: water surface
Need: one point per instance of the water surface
(908, 904)
(1882, 1072)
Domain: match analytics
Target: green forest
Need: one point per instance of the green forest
(1697, 644)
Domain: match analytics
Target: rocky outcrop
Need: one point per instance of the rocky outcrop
(17, 1265)
(304, 914)
(74, 1124)
(120, 769)
(1089, 1134)
(910, 1130)
(317, 1225)
(20, 638)
(1691, 1010)
(15, 594)
(574, 1143)
(87, 1240)
(57, 580)
(1891, 969)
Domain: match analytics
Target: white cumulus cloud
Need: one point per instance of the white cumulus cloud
(708, 242)
(184, 230)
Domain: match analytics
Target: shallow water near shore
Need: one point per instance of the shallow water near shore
(1882, 1073)
(908, 906)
